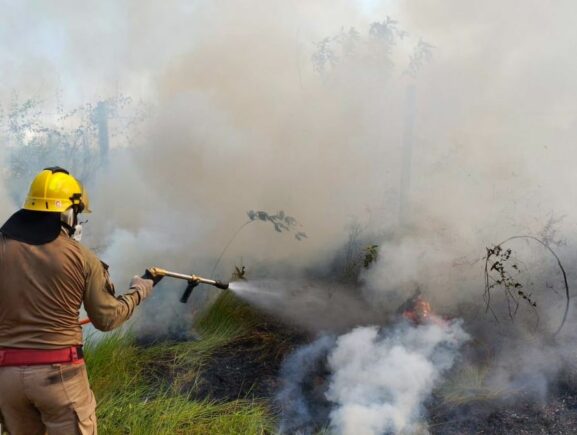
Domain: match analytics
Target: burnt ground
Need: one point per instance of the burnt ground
(519, 415)
(249, 366)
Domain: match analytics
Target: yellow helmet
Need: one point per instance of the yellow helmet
(55, 190)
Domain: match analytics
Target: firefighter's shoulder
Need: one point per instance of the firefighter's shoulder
(90, 259)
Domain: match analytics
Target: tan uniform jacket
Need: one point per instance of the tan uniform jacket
(42, 288)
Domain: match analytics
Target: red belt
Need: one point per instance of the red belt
(30, 357)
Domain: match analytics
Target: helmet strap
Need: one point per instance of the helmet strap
(78, 205)
(69, 220)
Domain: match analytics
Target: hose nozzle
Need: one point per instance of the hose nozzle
(193, 280)
(221, 285)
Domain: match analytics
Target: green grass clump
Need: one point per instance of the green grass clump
(139, 389)
(135, 413)
(114, 363)
(228, 318)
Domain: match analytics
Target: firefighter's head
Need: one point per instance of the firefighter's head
(54, 190)
(54, 201)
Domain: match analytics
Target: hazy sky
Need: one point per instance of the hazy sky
(98, 48)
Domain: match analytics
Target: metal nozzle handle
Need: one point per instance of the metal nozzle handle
(193, 281)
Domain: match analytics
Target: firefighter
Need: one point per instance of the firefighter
(45, 276)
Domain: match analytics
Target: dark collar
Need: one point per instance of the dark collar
(32, 227)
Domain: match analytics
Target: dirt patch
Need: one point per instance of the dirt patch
(247, 367)
(522, 415)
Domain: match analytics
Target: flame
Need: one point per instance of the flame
(420, 311)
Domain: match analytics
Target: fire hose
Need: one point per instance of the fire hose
(193, 281)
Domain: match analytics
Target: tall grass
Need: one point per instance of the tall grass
(227, 319)
(138, 389)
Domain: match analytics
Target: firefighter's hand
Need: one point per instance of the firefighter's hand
(155, 278)
(142, 286)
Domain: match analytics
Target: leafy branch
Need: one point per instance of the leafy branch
(371, 255)
(280, 221)
(501, 270)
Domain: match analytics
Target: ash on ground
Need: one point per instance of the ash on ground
(520, 414)
(248, 368)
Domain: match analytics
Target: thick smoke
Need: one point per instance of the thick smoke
(380, 381)
(241, 120)
(313, 306)
(6, 204)
(304, 407)
(370, 380)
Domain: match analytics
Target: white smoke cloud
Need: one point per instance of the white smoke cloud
(315, 306)
(7, 206)
(381, 378)
(368, 381)
(244, 122)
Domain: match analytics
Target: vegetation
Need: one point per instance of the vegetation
(470, 384)
(280, 221)
(502, 271)
(376, 47)
(37, 134)
(147, 389)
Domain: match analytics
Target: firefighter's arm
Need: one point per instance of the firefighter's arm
(105, 310)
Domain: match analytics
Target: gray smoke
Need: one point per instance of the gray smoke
(312, 305)
(302, 396)
(6, 204)
(245, 121)
(370, 380)
(381, 379)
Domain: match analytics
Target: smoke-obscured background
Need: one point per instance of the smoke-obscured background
(432, 130)
(241, 117)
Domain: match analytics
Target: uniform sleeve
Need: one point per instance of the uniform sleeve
(105, 310)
